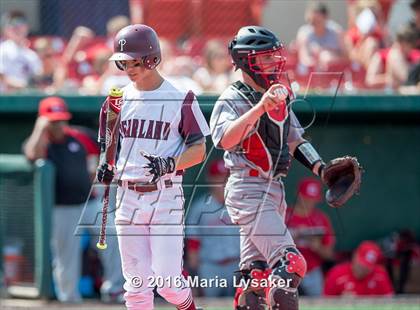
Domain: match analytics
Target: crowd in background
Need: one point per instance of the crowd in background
(365, 54)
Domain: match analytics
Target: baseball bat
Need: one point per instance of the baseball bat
(114, 102)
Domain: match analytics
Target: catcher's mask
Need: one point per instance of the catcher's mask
(259, 53)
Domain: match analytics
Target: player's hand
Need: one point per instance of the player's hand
(42, 123)
(105, 173)
(274, 98)
(158, 166)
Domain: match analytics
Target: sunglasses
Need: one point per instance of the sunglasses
(125, 65)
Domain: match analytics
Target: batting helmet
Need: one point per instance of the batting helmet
(137, 42)
(249, 46)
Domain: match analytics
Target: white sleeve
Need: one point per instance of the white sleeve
(35, 63)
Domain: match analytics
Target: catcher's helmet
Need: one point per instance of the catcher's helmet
(249, 44)
(137, 42)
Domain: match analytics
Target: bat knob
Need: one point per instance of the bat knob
(101, 246)
(115, 92)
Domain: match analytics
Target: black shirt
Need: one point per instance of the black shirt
(73, 181)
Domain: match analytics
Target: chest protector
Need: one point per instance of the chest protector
(265, 148)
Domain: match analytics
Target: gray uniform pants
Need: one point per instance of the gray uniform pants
(68, 223)
(258, 206)
(91, 219)
(66, 252)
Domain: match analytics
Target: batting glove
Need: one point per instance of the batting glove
(105, 173)
(158, 166)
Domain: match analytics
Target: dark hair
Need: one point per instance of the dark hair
(407, 34)
(318, 7)
(8, 17)
(415, 5)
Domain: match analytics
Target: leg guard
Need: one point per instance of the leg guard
(253, 298)
(291, 268)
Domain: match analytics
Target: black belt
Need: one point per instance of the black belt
(143, 187)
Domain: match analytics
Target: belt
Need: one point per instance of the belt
(143, 187)
(254, 173)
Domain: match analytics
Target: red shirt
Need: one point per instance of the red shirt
(314, 224)
(357, 38)
(340, 281)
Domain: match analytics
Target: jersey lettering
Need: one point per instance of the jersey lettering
(135, 128)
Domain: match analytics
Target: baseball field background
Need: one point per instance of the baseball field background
(341, 115)
(375, 128)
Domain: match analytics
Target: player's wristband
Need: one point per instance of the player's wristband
(308, 156)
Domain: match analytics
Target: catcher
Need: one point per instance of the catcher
(255, 125)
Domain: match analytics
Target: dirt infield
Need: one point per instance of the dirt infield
(400, 303)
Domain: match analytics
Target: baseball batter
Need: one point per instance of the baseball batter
(162, 133)
(255, 125)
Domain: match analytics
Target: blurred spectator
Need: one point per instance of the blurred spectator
(402, 56)
(74, 153)
(182, 19)
(67, 149)
(415, 23)
(50, 61)
(19, 65)
(85, 63)
(320, 42)
(212, 240)
(400, 249)
(180, 73)
(353, 6)
(114, 25)
(178, 69)
(73, 60)
(368, 33)
(412, 85)
(105, 74)
(217, 71)
(168, 54)
(313, 234)
(391, 66)
(362, 276)
(92, 84)
(399, 15)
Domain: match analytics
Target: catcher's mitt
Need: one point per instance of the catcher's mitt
(342, 176)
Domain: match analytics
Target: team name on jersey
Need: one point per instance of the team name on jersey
(145, 129)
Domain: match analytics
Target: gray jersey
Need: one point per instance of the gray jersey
(256, 204)
(265, 148)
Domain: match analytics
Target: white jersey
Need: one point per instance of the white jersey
(162, 122)
(17, 62)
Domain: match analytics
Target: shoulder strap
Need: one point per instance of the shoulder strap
(248, 92)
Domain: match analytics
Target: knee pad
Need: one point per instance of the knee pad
(291, 269)
(251, 298)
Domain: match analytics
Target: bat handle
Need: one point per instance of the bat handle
(102, 235)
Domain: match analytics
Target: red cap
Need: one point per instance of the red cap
(217, 167)
(310, 188)
(54, 108)
(368, 254)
